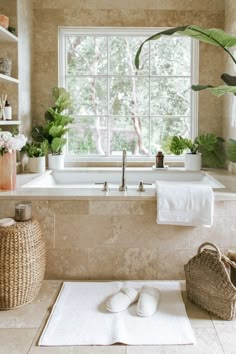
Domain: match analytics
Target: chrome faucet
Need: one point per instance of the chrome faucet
(123, 186)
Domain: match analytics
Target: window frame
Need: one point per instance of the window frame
(142, 31)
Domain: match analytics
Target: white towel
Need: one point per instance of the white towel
(181, 203)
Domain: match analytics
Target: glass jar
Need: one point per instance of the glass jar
(8, 171)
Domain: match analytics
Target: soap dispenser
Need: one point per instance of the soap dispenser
(8, 111)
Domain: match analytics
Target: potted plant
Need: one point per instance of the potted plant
(36, 151)
(205, 147)
(55, 128)
(231, 154)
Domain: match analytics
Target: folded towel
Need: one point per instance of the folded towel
(148, 301)
(122, 300)
(181, 203)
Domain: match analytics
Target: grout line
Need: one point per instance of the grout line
(217, 334)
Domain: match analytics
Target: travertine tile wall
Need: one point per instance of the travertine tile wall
(49, 14)
(120, 239)
(230, 26)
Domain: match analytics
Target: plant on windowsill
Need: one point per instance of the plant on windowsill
(206, 148)
(36, 151)
(215, 37)
(56, 127)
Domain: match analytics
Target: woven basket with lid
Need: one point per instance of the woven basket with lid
(211, 281)
(22, 263)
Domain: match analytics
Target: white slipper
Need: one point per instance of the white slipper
(122, 300)
(148, 301)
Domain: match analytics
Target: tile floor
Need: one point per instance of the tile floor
(20, 330)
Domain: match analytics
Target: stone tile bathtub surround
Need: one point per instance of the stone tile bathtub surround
(114, 239)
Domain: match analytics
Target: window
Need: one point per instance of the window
(116, 106)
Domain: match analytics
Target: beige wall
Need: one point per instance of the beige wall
(120, 239)
(230, 26)
(49, 14)
(25, 46)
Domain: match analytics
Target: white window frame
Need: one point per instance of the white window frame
(138, 31)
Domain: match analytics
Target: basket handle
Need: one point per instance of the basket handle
(212, 245)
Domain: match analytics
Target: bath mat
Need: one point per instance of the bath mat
(79, 317)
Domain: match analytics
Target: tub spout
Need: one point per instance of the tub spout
(123, 186)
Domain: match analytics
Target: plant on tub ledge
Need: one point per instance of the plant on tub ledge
(36, 151)
(9, 144)
(206, 149)
(55, 128)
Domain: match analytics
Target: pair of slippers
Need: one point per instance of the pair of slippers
(147, 297)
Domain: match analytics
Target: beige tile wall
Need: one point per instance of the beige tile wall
(49, 14)
(230, 26)
(121, 240)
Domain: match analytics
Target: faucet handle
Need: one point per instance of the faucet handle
(141, 186)
(105, 186)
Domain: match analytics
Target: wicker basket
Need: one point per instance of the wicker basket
(22, 263)
(211, 281)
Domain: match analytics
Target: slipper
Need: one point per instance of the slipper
(148, 301)
(122, 300)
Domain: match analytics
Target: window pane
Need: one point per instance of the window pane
(129, 96)
(171, 56)
(170, 96)
(89, 95)
(162, 129)
(88, 136)
(86, 55)
(122, 52)
(130, 134)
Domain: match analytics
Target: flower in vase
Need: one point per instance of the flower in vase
(10, 142)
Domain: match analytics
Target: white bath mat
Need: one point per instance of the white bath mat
(79, 317)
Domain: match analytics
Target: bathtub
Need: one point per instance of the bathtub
(93, 178)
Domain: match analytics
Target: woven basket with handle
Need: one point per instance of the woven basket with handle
(22, 263)
(211, 281)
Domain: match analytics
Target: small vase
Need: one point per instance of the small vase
(8, 171)
(193, 162)
(56, 162)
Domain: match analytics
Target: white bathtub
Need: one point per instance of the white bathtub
(89, 177)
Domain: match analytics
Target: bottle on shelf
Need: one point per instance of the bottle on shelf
(8, 111)
(159, 159)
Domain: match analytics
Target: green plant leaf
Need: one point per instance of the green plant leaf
(212, 36)
(228, 79)
(57, 145)
(207, 140)
(57, 131)
(231, 150)
(179, 144)
(62, 99)
(216, 157)
(216, 90)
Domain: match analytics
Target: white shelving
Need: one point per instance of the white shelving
(8, 78)
(10, 122)
(6, 36)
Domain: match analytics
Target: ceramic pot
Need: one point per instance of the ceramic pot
(56, 162)
(36, 164)
(193, 162)
(4, 21)
(5, 66)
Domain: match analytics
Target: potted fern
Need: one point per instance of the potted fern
(36, 151)
(206, 148)
(56, 127)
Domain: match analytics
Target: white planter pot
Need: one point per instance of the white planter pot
(55, 162)
(36, 164)
(232, 167)
(193, 162)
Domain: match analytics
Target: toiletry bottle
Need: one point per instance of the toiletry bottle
(159, 160)
(8, 111)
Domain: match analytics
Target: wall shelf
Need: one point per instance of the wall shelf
(8, 78)
(6, 36)
(10, 122)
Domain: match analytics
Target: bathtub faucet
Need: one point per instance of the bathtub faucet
(123, 186)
